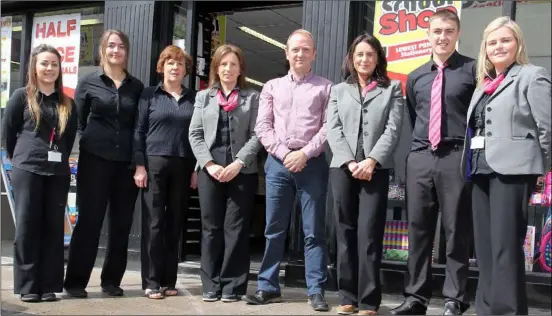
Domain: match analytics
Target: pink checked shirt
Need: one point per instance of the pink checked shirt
(292, 115)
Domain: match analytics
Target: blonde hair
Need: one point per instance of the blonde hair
(63, 102)
(302, 32)
(484, 66)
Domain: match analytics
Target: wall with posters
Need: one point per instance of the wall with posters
(5, 65)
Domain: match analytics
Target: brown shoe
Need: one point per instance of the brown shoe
(367, 312)
(345, 309)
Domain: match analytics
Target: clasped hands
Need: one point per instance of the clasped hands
(223, 174)
(295, 161)
(363, 170)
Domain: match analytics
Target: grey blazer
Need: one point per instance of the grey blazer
(518, 127)
(383, 115)
(203, 128)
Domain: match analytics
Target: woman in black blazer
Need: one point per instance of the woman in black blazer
(223, 140)
(164, 170)
(39, 128)
(107, 101)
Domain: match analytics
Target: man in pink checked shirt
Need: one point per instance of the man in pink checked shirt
(291, 125)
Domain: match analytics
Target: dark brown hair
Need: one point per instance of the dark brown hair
(176, 53)
(104, 42)
(380, 72)
(217, 58)
(64, 102)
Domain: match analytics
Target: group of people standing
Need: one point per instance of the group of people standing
(481, 137)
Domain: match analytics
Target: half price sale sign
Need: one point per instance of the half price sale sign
(62, 32)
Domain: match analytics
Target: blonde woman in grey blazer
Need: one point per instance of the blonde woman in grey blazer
(364, 122)
(507, 147)
(223, 140)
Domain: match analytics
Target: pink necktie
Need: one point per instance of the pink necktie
(435, 112)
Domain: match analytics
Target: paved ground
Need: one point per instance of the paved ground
(187, 303)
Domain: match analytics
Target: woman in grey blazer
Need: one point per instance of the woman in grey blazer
(224, 143)
(507, 147)
(364, 122)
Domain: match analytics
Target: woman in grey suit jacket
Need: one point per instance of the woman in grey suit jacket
(507, 147)
(224, 143)
(364, 122)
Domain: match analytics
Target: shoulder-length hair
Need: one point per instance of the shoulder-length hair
(104, 42)
(63, 103)
(216, 60)
(380, 72)
(484, 66)
(176, 53)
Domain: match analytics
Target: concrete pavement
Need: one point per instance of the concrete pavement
(187, 303)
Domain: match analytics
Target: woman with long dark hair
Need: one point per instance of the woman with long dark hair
(364, 124)
(39, 128)
(107, 102)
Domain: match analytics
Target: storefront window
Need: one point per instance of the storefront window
(533, 16)
(11, 48)
(91, 29)
(180, 23)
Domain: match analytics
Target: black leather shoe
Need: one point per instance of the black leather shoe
(409, 308)
(30, 298)
(229, 298)
(318, 303)
(210, 297)
(77, 293)
(49, 297)
(452, 308)
(112, 290)
(262, 298)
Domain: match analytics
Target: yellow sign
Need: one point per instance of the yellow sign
(401, 27)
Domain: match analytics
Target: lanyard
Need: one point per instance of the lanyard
(52, 136)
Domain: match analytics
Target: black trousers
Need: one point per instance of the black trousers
(360, 208)
(499, 204)
(434, 183)
(225, 219)
(164, 205)
(101, 182)
(40, 203)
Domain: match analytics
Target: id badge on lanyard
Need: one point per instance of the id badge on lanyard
(53, 154)
(478, 141)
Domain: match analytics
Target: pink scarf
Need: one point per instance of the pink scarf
(231, 103)
(491, 85)
(369, 87)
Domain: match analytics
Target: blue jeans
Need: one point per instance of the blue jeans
(310, 185)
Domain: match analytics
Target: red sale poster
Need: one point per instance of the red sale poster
(62, 32)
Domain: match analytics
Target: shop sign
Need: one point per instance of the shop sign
(5, 66)
(401, 27)
(62, 32)
(493, 3)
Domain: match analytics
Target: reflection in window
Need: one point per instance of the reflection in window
(180, 23)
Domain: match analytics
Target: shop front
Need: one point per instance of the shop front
(261, 28)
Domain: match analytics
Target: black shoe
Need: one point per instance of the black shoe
(49, 297)
(318, 303)
(262, 298)
(210, 297)
(229, 298)
(77, 293)
(30, 298)
(409, 308)
(112, 290)
(452, 308)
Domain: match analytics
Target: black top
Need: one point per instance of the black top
(459, 82)
(477, 123)
(222, 150)
(107, 115)
(359, 155)
(27, 146)
(162, 124)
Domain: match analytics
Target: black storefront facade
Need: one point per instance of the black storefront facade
(152, 25)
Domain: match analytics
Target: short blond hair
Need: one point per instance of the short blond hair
(302, 32)
(484, 65)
